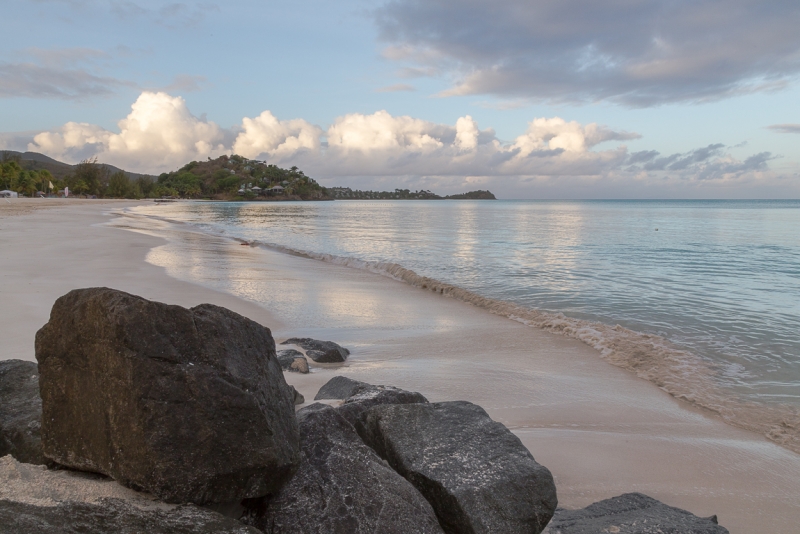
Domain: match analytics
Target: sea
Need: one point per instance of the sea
(700, 297)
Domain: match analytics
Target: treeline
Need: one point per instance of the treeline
(345, 193)
(14, 178)
(223, 178)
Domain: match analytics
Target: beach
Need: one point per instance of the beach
(600, 430)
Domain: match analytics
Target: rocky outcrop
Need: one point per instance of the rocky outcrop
(293, 361)
(342, 487)
(476, 474)
(631, 513)
(340, 387)
(20, 411)
(190, 405)
(320, 351)
(113, 515)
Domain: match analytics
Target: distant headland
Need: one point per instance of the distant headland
(224, 178)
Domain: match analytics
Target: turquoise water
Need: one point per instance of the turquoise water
(717, 279)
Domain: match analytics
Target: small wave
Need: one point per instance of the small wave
(680, 373)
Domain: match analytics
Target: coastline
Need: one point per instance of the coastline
(598, 428)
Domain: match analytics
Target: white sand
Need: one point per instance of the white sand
(600, 430)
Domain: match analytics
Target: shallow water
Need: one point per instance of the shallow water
(707, 292)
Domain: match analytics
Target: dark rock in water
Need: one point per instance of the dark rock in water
(113, 515)
(20, 412)
(190, 405)
(297, 396)
(342, 487)
(355, 407)
(293, 360)
(320, 351)
(340, 387)
(631, 513)
(476, 474)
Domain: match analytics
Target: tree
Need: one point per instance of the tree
(119, 186)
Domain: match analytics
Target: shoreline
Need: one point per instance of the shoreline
(599, 429)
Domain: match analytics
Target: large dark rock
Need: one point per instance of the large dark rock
(476, 474)
(20, 411)
(320, 351)
(340, 387)
(342, 487)
(293, 361)
(356, 406)
(190, 405)
(631, 513)
(113, 515)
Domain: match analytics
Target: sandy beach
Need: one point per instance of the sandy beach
(598, 428)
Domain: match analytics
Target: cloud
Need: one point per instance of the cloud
(785, 128)
(552, 158)
(159, 133)
(185, 83)
(64, 73)
(266, 135)
(395, 88)
(633, 52)
(168, 14)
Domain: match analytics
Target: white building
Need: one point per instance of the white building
(8, 194)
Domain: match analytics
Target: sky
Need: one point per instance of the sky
(526, 98)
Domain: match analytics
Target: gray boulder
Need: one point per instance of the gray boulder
(356, 406)
(293, 361)
(632, 513)
(297, 396)
(320, 351)
(113, 515)
(20, 412)
(342, 487)
(190, 405)
(476, 474)
(340, 387)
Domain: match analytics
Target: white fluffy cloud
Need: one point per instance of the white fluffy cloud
(267, 135)
(159, 133)
(552, 158)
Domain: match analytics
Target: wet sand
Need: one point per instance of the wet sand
(598, 428)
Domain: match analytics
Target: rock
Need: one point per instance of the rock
(631, 513)
(340, 387)
(476, 474)
(293, 360)
(297, 396)
(320, 351)
(342, 487)
(113, 515)
(355, 407)
(190, 405)
(20, 411)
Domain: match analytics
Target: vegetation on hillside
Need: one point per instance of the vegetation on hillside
(233, 177)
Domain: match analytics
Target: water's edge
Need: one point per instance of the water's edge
(678, 372)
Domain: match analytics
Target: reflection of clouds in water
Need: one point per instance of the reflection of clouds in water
(301, 292)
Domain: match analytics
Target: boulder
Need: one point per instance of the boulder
(293, 360)
(356, 406)
(20, 411)
(476, 474)
(190, 405)
(342, 487)
(113, 515)
(340, 387)
(297, 396)
(632, 513)
(320, 351)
